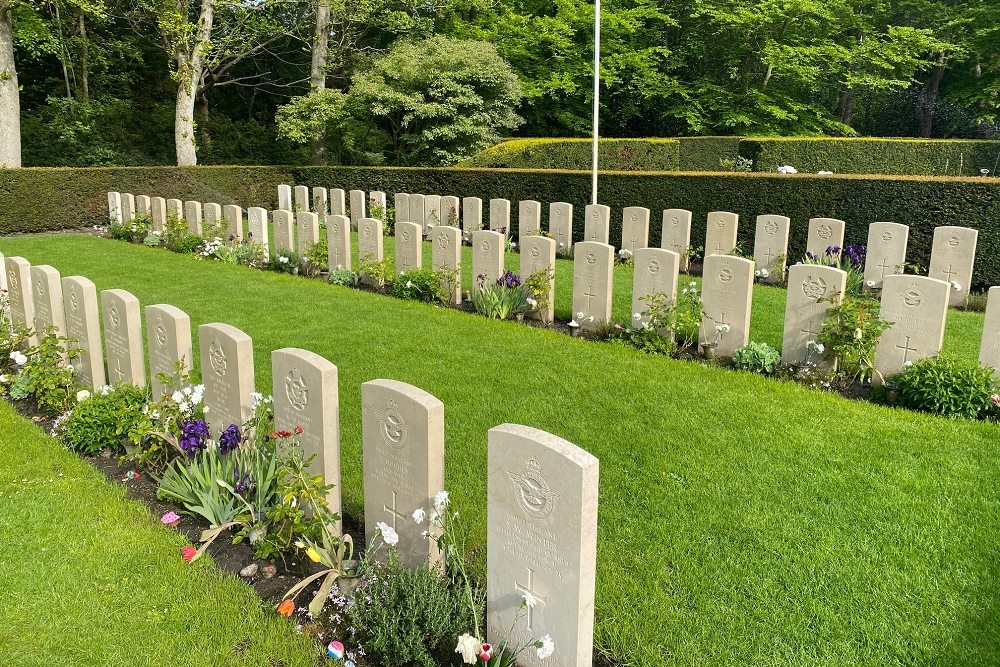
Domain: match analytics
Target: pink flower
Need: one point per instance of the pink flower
(170, 519)
(995, 399)
(188, 553)
(486, 653)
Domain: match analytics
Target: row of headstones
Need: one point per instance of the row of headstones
(542, 490)
(952, 255)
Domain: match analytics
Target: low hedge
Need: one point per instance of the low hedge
(38, 199)
(930, 157)
(704, 153)
(613, 154)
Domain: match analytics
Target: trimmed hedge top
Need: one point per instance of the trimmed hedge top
(613, 154)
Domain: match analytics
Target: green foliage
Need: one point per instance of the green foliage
(195, 484)
(104, 420)
(376, 273)
(949, 387)
(409, 615)
(49, 376)
(315, 259)
(344, 277)
(285, 261)
(538, 284)
(850, 333)
(424, 285)
(499, 301)
(707, 153)
(756, 358)
(613, 154)
(652, 330)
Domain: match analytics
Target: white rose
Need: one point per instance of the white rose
(469, 647)
(82, 395)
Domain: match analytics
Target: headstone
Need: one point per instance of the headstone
(989, 349)
(115, 207)
(158, 214)
(416, 209)
(401, 207)
(472, 215)
(953, 255)
(306, 394)
(257, 226)
(370, 240)
(409, 247)
(561, 227)
(597, 223)
(175, 211)
(770, 247)
(675, 234)
(500, 216)
(655, 272)
(22, 301)
(377, 204)
(812, 289)
(720, 234)
(432, 211)
(337, 202)
(593, 266)
(213, 219)
(233, 216)
(357, 207)
(285, 197)
(192, 214)
(168, 339)
(529, 219)
(538, 253)
(307, 231)
(541, 540)
(83, 324)
(635, 228)
(450, 212)
(284, 230)
(917, 307)
(824, 234)
(227, 373)
(142, 207)
(128, 207)
(301, 198)
(47, 293)
(487, 258)
(402, 433)
(886, 251)
(338, 238)
(446, 255)
(123, 338)
(726, 294)
(320, 204)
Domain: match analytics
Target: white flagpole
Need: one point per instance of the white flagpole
(597, 97)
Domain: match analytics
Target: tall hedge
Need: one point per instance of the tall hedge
(612, 154)
(42, 199)
(704, 153)
(859, 155)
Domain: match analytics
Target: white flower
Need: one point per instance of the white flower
(18, 358)
(858, 334)
(205, 409)
(409, 284)
(907, 364)
(955, 286)
(3, 379)
(184, 406)
(82, 395)
(177, 397)
(545, 647)
(389, 535)
(815, 347)
(441, 501)
(470, 648)
(562, 245)
(624, 252)
(722, 328)
(692, 284)
(435, 519)
(871, 284)
(574, 323)
(590, 319)
(104, 390)
(419, 514)
(531, 302)
(283, 260)
(636, 316)
(787, 169)
(155, 414)
(187, 391)
(762, 273)
(530, 601)
(579, 315)
(513, 245)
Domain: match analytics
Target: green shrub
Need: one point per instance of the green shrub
(344, 277)
(850, 333)
(612, 154)
(705, 153)
(49, 376)
(948, 387)
(756, 358)
(103, 420)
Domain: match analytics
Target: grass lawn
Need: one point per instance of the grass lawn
(88, 577)
(742, 521)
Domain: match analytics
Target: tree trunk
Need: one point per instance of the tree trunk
(190, 69)
(928, 98)
(10, 104)
(845, 109)
(201, 106)
(317, 72)
(84, 61)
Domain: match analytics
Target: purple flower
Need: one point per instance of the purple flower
(230, 439)
(509, 280)
(193, 436)
(856, 253)
(243, 483)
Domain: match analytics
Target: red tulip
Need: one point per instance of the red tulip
(188, 553)
(486, 653)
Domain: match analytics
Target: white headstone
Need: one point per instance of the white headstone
(500, 216)
(655, 272)
(487, 258)
(227, 373)
(953, 255)
(338, 237)
(257, 224)
(213, 219)
(128, 207)
(402, 432)
(593, 267)
(306, 394)
(338, 205)
(886, 251)
(561, 227)
(472, 215)
(357, 207)
(285, 197)
(409, 247)
(538, 253)
(175, 211)
(812, 289)
(825, 234)
(917, 307)
(529, 219)
(142, 206)
(306, 231)
(450, 211)
(115, 207)
(675, 233)
(284, 230)
(22, 301)
(168, 339)
(542, 541)
(635, 228)
(320, 204)
(158, 214)
(432, 211)
(192, 215)
(301, 198)
(446, 255)
(83, 324)
(370, 240)
(989, 349)
(123, 338)
(401, 207)
(720, 234)
(770, 247)
(727, 291)
(416, 209)
(234, 221)
(597, 223)
(47, 293)
(377, 204)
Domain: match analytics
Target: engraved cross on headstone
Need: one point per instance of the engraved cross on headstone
(769, 258)
(590, 296)
(530, 590)
(721, 320)
(884, 265)
(950, 272)
(392, 511)
(905, 347)
(119, 371)
(809, 331)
